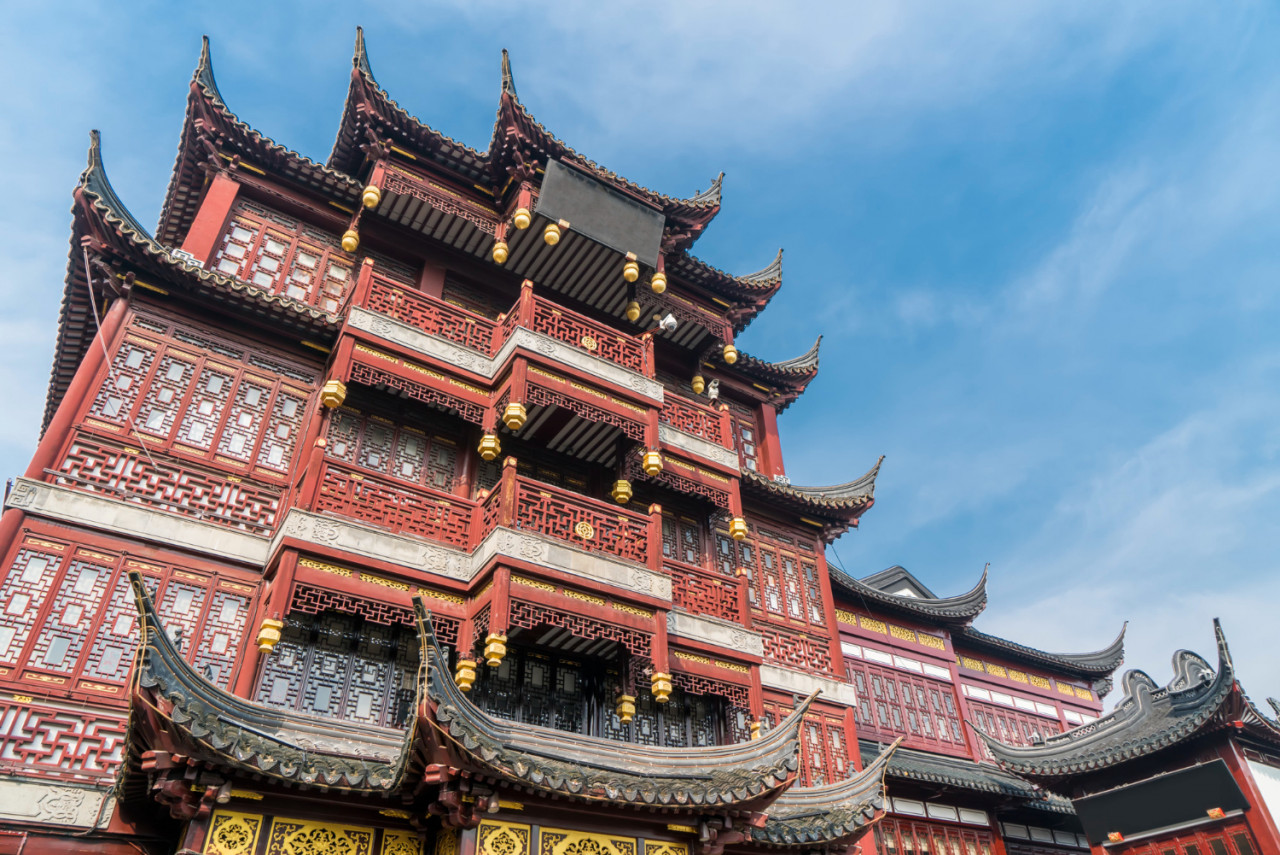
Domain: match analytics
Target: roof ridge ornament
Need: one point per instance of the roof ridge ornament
(508, 79)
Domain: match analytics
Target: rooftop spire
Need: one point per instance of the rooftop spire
(360, 59)
(508, 81)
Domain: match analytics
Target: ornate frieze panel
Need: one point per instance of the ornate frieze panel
(55, 804)
(130, 520)
(801, 683)
(710, 630)
(233, 833)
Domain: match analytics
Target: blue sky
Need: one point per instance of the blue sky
(1041, 240)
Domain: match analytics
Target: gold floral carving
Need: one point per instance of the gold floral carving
(446, 842)
(503, 838)
(294, 837)
(400, 843)
(555, 841)
(662, 847)
(232, 833)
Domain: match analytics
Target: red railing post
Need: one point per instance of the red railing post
(524, 306)
(744, 603)
(646, 344)
(364, 283)
(726, 427)
(654, 544)
(507, 487)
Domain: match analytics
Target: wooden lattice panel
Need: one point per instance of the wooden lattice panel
(795, 649)
(284, 256)
(699, 592)
(536, 395)
(59, 742)
(432, 316)
(432, 395)
(691, 418)
(80, 601)
(904, 837)
(1011, 726)
(233, 407)
(893, 703)
(824, 746)
(396, 450)
(582, 522)
(162, 482)
(529, 616)
(581, 332)
(395, 507)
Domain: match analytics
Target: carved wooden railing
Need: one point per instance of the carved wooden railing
(436, 317)
(578, 520)
(701, 592)
(430, 315)
(685, 415)
(163, 483)
(54, 742)
(394, 506)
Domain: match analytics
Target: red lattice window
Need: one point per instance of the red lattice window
(80, 603)
(225, 406)
(746, 436)
(824, 746)
(283, 256)
(681, 539)
(1010, 726)
(1226, 838)
(784, 579)
(892, 703)
(405, 454)
(903, 837)
(63, 742)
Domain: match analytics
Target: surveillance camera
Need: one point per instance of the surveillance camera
(668, 324)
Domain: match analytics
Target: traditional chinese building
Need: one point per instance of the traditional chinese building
(421, 501)
(1192, 767)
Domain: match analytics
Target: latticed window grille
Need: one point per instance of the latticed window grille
(1010, 726)
(232, 407)
(783, 576)
(284, 256)
(903, 837)
(549, 689)
(399, 451)
(746, 435)
(342, 666)
(681, 539)
(68, 618)
(892, 703)
(824, 745)
(1226, 838)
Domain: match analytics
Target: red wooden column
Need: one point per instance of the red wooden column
(81, 389)
(654, 544)
(211, 219)
(772, 443)
(726, 426)
(829, 609)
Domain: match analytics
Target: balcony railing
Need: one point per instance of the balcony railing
(430, 315)
(166, 484)
(684, 415)
(394, 506)
(439, 318)
(700, 592)
(575, 519)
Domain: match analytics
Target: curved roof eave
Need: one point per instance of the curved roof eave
(961, 608)
(1098, 663)
(1147, 719)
